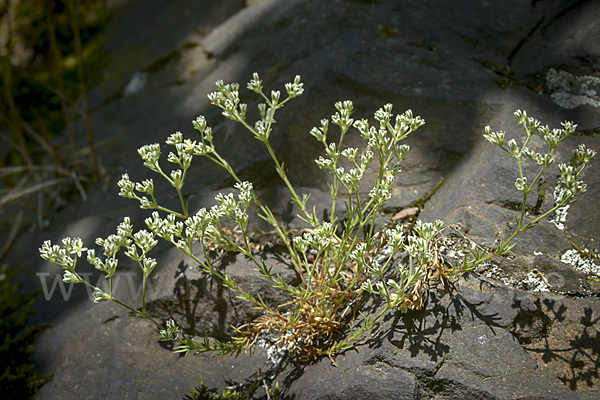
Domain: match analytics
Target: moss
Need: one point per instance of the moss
(386, 31)
(202, 392)
(247, 392)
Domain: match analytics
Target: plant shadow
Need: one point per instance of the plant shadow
(571, 350)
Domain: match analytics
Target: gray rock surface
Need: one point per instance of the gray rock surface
(460, 346)
(498, 335)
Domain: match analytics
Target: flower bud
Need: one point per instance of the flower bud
(71, 277)
(521, 184)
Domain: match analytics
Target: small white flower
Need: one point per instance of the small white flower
(175, 138)
(71, 277)
(148, 265)
(100, 296)
(512, 145)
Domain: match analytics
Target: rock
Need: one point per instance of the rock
(149, 46)
(563, 36)
(481, 340)
(458, 346)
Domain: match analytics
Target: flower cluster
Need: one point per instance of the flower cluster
(383, 144)
(65, 256)
(227, 98)
(580, 158)
(568, 184)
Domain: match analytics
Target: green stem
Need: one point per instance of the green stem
(177, 214)
(354, 336)
(141, 314)
(283, 176)
(281, 233)
(144, 280)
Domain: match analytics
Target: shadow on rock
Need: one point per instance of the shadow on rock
(571, 349)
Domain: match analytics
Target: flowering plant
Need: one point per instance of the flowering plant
(337, 260)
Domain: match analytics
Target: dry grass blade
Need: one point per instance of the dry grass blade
(16, 194)
(45, 145)
(31, 168)
(77, 182)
